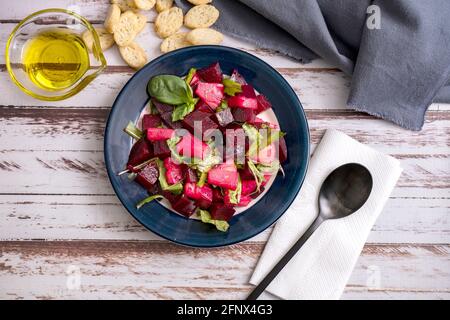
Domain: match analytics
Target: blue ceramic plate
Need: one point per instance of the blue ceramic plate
(133, 98)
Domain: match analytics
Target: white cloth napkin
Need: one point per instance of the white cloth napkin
(322, 267)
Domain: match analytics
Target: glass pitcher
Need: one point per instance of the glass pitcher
(35, 24)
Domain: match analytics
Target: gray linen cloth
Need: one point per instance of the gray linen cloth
(399, 59)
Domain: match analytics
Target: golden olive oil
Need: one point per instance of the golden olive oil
(55, 59)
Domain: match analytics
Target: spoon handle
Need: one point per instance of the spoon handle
(284, 260)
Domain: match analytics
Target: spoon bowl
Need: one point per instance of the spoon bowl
(344, 191)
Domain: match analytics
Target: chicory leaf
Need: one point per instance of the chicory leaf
(176, 188)
(190, 75)
(257, 174)
(134, 132)
(231, 87)
(147, 200)
(183, 110)
(235, 195)
(255, 138)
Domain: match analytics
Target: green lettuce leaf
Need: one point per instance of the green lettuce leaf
(184, 109)
(222, 106)
(190, 75)
(255, 138)
(231, 87)
(134, 132)
(235, 195)
(205, 216)
(257, 174)
(202, 179)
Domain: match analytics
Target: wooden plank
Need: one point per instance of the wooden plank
(150, 42)
(158, 270)
(62, 217)
(327, 90)
(319, 85)
(60, 144)
(53, 128)
(47, 172)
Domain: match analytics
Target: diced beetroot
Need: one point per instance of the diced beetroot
(235, 145)
(256, 194)
(240, 101)
(267, 155)
(220, 211)
(162, 107)
(190, 146)
(248, 91)
(150, 121)
(167, 118)
(244, 115)
(224, 117)
(140, 152)
(259, 123)
(190, 175)
(190, 190)
(236, 76)
(195, 192)
(174, 171)
(263, 103)
(246, 174)
(154, 189)
(226, 198)
(224, 175)
(161, 149)
(203, 107)
(203, 119)
(211, 93)
(155, 134)
(244, 201)
(282, 153)
(203, 204)
(248, 186)
(173, 198)
(148, 176)
(217, 195)
(212, 73)
(194, 81)
(185, 206)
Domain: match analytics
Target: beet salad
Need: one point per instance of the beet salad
(205, 145)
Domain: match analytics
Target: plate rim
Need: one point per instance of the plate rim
(168, 55)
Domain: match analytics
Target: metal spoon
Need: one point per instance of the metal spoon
(343, 192)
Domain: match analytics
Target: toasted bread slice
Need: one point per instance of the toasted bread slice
(126, 29)
(141, 22)
(175, 41)
(202, 16)
(106, 39)
(134, 55)
(199, 2)
(144, 4)
(162, 5)
(124, 5)
(112, 17)
(204, 36)
(169, 22)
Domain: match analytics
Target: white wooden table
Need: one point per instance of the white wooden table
(64, 234)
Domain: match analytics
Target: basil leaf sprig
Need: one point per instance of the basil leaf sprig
(175, 91)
